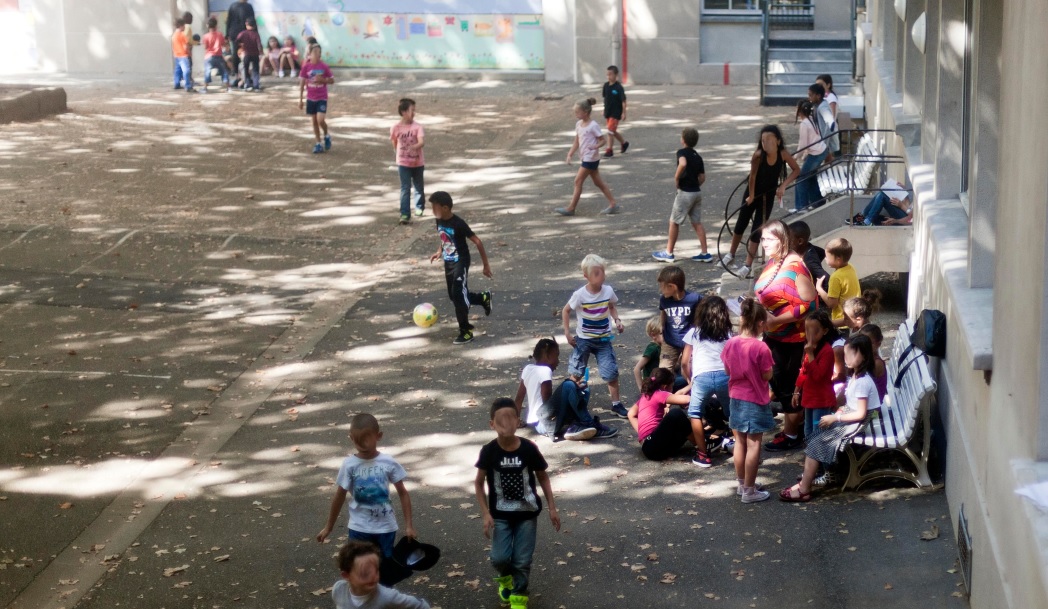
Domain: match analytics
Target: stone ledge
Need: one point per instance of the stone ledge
(30, 104)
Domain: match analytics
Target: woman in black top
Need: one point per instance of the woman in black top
(767, 168)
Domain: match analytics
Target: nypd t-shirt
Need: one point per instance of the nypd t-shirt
(678, 317)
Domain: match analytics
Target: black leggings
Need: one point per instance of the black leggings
(786, 361)
(672, 432)
(759, 211)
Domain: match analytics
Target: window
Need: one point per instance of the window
(730, 6)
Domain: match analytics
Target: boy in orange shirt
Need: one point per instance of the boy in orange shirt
(180, 49)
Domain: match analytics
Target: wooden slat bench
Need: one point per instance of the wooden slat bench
(903, 426)
(838, 181)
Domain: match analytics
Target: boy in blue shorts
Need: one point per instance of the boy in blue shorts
(594, 306)
(314, 79)
(365, 477)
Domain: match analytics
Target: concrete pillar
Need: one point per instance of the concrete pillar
(558, 24)
(912, 61)
(952, 35)
(932, 123)
(984, 143)
(889, 24)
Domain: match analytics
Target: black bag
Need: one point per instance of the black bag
(928, 336)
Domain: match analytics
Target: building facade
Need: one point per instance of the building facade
(960, 81)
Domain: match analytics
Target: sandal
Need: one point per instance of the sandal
(787, 495)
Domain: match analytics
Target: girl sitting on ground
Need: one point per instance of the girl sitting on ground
(271, 58)
(661, 431)
(836, 430)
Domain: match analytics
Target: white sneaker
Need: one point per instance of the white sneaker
(752, 495)
(743, 271)
(727, 259)
(281, 73)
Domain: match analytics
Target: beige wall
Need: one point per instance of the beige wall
(995, 427)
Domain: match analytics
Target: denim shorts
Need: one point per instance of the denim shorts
(607, 367)
(591, 165)
(747, 417)
(316, 107)
(384, 541)
(705, 385)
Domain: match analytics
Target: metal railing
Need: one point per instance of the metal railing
(848, 142)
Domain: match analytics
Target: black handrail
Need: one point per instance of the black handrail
(848, 158)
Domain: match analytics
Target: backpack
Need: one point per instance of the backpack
(928, 336)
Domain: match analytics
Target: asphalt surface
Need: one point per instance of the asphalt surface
(194, 306)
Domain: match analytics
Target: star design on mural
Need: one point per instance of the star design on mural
(449, 21)
(387, 20)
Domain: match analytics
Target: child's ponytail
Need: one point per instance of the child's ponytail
(753, 315)
(543, 347)
(660, 378)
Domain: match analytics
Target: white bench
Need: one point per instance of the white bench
(837, 180)
(903, 428)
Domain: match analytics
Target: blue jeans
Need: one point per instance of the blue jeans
(411, 176)
(806, 189)
(811, 419)
(880, 203)
(704, 386)
(607, 367)
(384, 541)
(512, 544)
(566, 405)
(182, 72)
(218, 63)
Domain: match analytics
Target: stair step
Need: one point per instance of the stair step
(822, 67)
(812, 42)
(810, 54)
(843, 81)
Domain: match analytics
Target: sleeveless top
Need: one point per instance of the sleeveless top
(768, 178)
(777, 291)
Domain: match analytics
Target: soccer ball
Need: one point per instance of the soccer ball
(425, 315)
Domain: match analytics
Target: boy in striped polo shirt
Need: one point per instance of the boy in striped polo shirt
(594, 306)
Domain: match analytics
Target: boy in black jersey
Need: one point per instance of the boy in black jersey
(510, 466)
(454, 232)
(614, 110)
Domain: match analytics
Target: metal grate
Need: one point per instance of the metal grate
(964, 550)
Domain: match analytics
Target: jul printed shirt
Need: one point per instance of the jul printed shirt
(511, 479)
(367, 481)
(593, 311)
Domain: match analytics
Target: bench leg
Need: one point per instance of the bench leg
(922, 479)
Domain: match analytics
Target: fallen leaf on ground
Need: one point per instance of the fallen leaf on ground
(222, 558)
(168, 572)
(931, 534)
(668, 578)
(596, 549)
(65, 506)
(653, 556)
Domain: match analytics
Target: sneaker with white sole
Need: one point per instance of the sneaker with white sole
(743, 271)
(620, 410)
(703, 257)
(662, 256)
(727, 259)
(702, 459)
(738, 489)
(603, 431)
(580, 432)
(753, 495)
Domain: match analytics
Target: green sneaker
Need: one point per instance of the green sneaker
(518, 601)
(505, 588)
(485, 301)
(463, 338)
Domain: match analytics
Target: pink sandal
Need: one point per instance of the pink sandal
(787, 495)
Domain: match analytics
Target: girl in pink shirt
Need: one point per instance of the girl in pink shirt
(589, 139)
(660, 431)
(749, 365)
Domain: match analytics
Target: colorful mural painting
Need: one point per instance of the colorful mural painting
(449, 34)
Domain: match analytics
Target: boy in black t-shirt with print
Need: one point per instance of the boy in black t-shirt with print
(454, 232)
(614, 110)
(510, 507)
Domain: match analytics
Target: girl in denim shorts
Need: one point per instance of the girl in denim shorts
(749, 365)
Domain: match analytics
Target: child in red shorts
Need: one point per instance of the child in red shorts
(614, 109)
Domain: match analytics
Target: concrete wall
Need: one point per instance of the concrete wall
(994, 326)
(833, 15)
(663, 41)
(731, 43)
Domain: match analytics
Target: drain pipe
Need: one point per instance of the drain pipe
(624, 37)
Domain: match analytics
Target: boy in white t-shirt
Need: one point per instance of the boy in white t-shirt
(365, 477)
(550, 410)
(594, 306)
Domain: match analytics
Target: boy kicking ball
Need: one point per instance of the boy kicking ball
(314, 79)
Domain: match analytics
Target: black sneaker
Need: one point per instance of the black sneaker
(783, 442)
(485, 301)
(625, 147)
(463, 338)
(619, 410)
(701, 459)
(603, 431)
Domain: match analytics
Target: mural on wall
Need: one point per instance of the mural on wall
(431, 34)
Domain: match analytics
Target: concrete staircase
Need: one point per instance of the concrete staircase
(795, 60)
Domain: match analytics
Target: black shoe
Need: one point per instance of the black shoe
(625, 147)
(463, 338)
(619, 410)
(485, 301)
